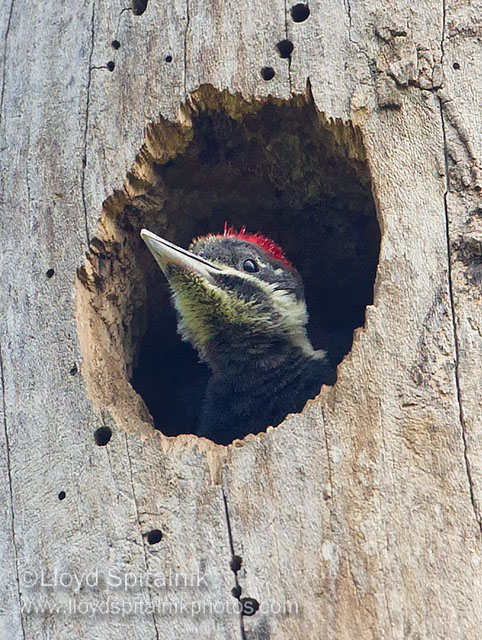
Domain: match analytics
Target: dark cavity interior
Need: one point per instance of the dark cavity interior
(281, 170)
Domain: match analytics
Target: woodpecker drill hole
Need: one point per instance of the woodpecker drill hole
(61, 495)
(111, 65)
(168, 58)
(50, 273)
(249, 606)
(300, 12)
(139, 6)
(235, 564)
(102, 436)
(278, 167)
(154, 536)
(285, 48)
(456, 66)
(115, 44)
(267, 73)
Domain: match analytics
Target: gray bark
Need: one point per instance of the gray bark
(364, 511)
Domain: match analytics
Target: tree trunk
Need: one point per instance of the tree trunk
(359, 517)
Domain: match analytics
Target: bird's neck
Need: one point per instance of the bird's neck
(264, 356)
(249, 391)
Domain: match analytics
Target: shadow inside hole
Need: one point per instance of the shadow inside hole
(279, 171)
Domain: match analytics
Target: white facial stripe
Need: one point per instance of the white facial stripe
(286, 303)
(292, 312)
(294, 315)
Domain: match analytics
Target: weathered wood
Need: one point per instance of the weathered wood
(362, 515)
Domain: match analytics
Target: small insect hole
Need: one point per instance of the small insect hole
(267, 73)
(235, 564)
(249, 606)
(73, 370)
(285, 48)
(61, 495)
(102, 436)
(50, 273)
(299, 12)
(154, 536)
(139, 6)
(111, 65)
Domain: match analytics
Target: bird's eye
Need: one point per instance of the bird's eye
(250, 266)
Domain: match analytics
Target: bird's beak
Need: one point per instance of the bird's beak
(167, 254)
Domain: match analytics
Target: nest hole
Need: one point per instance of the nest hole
(277, 167)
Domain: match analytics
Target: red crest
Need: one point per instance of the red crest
(271, 248)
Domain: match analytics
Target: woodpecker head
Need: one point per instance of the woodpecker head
(236, 294)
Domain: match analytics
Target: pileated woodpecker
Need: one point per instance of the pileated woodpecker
(241, 304)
